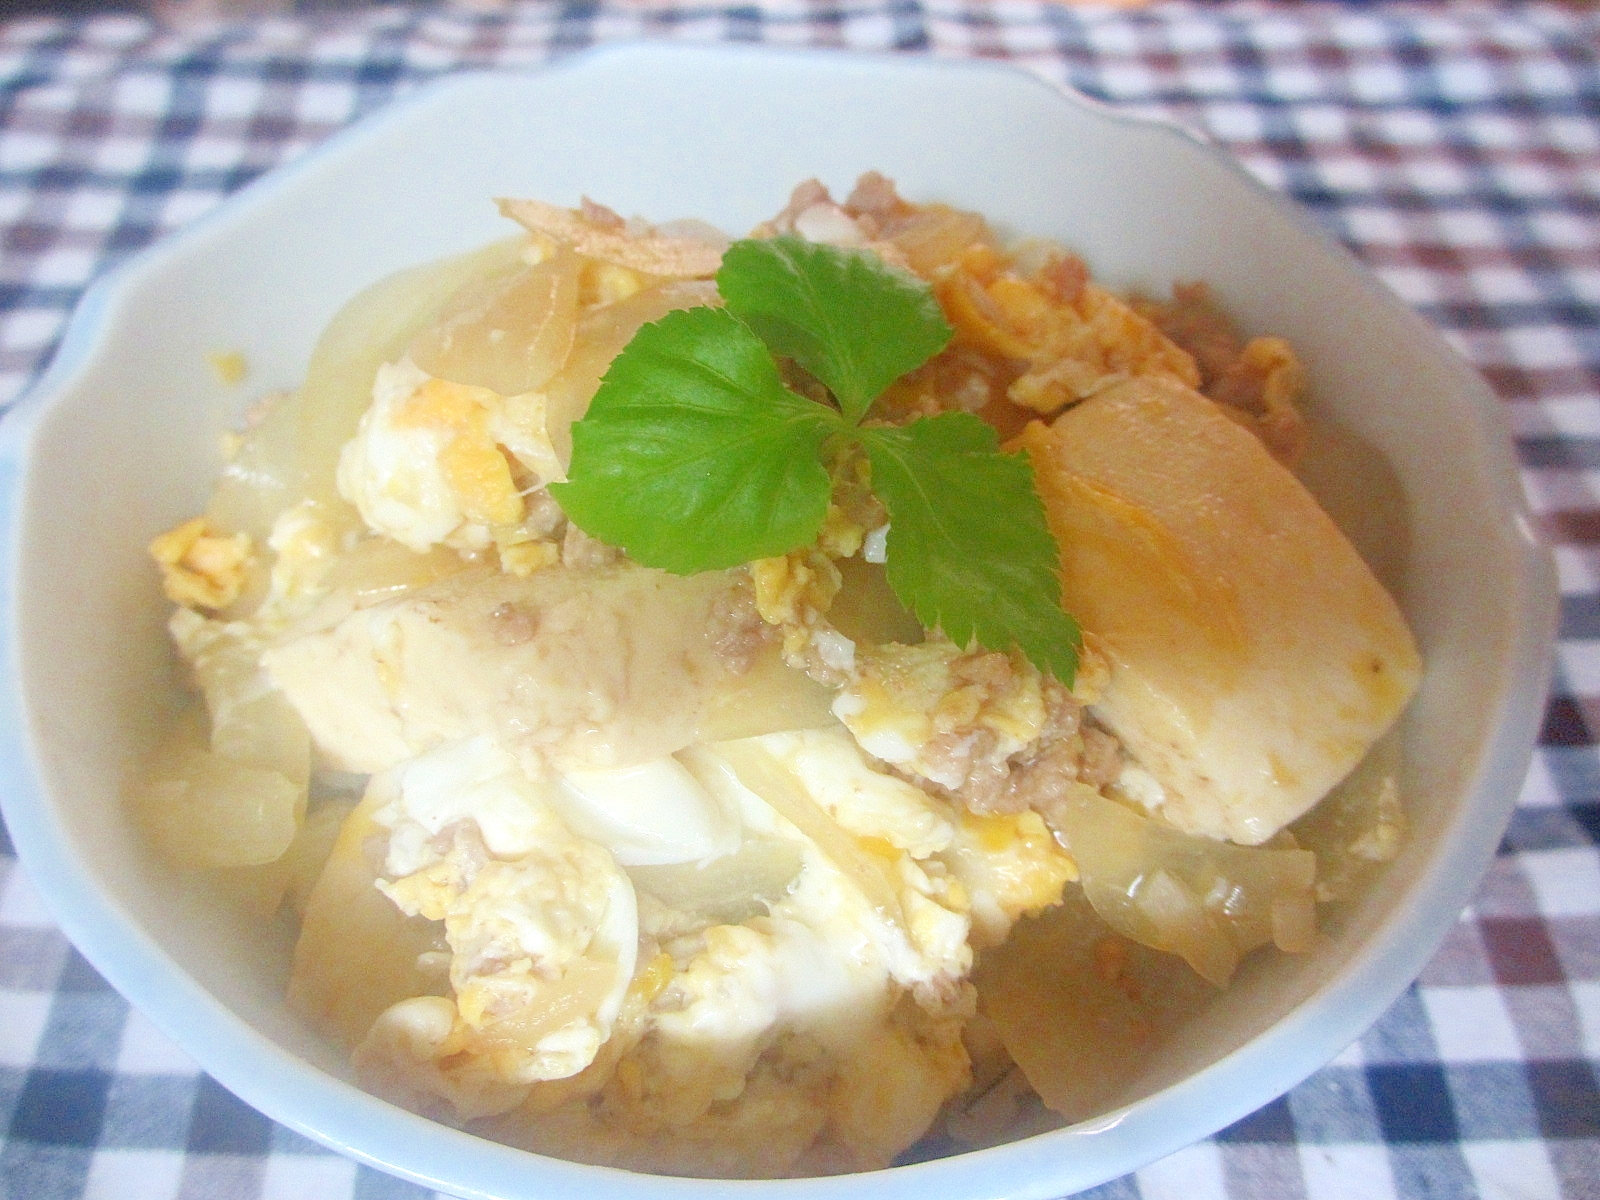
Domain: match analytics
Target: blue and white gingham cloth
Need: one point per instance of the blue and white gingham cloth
(1455, 148)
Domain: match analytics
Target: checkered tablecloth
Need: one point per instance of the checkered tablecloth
(1455, 148)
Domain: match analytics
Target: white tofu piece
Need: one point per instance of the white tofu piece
(1254, 657)
(583, 668)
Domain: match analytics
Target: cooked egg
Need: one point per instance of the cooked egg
(869, 917)
(542, 925)
(305, 544)
(200, 567)
(913, 707)
(432, 460)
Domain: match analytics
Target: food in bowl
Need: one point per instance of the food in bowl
(636, 664)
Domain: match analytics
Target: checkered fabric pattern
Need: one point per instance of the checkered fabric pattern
(1455, 148)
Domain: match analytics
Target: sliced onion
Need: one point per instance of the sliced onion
(1207, 901)
(203, 810)
(1294, 922)
(357, 954)
(752, 766)
(1358, 826)
(936, 234)
(1079, 1007)
(867, 611)
(769, 697)
(262, 890)
(601, 335)
(510, 333)
(1174, 919)
(252, 722)
(291, 453)
(378, 568)
(582, 988)
(728, 890)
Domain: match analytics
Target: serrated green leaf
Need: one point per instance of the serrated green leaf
(693, 456)
(847, 317)
(969, 549)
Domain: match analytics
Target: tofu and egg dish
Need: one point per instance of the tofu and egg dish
(747, 870)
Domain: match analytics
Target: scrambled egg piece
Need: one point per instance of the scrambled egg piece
(863, 800)
(305, 545)
(437, 463)
(229, 366)
(793, 593)
(201, 568)
(821, 1033)
(608, 1013)
(1011, 865)
(940, 712)
(542, 926)
(1072, 337)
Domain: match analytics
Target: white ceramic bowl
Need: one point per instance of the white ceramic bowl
(119, 441)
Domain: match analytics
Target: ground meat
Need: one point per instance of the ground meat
(601, 217)
(1042, 782)
(1037, 775)
(1102, 757)
(1070, 749)
(542, 516)
(1260, 389)
(578, 549)
(804, 196)
(1193, 320)
(1064, 276)
(876, 205)
(1257, 382)
(737, 630)
(958, 379)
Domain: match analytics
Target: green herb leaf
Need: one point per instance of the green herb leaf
(693, 456)
(969, 548)
(849, 319)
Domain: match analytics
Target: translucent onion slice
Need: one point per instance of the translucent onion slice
(510, 333)
(358, 954)
(654, 254)
(312, 848)
(770, 697)
(1205, 900)
(600, 337)
(264, 889)
(581, 989)
(378, 568)
(866, 610)
(1158, 909)
(291, 452)
(649, 813)
(1358, 826)
(203, 810)
(728, 890)
(252, 722)
(935, 235)
(1080, 1007)
(752, 766)
(373, 570)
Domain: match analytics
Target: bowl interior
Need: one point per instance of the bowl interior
(122, 441)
